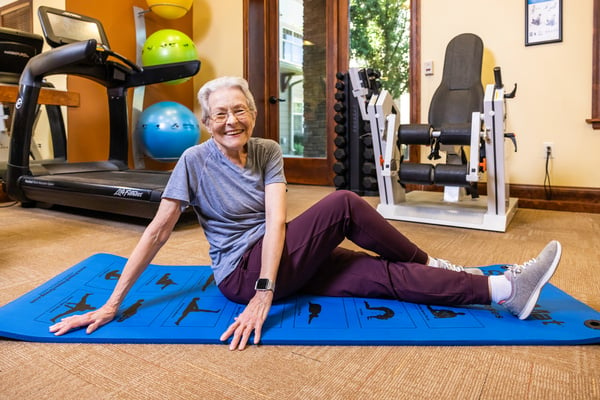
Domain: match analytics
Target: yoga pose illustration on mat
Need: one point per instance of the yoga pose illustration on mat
(112, 275)
(209, 281)
(314, 310)
(387, 312)
(165, 281)
(131, 310)
(82, 305)
(193, 307)
(443, 312)
(235, 182)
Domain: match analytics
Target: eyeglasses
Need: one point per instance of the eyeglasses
(221, 116)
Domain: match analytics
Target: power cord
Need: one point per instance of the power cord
(547, 184)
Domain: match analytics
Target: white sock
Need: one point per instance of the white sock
(500, 288)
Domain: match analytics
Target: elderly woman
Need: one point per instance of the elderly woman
(236, 185)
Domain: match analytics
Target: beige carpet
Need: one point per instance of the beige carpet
(37, 244)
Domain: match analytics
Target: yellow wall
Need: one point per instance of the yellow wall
(218, 34)
(554, 82)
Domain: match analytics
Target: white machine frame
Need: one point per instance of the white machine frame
(492, 212)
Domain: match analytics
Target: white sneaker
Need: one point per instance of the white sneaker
(445, 264)
(527, 280)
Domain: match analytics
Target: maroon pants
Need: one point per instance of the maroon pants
(312, 261)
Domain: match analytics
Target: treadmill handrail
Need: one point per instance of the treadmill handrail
(86, 60)
(50, 61)
(163, 73)
(26, 105)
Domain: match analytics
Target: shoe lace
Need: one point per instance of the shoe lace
(445, 264)
(518, 268)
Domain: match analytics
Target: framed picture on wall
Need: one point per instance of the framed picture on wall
(543, 21)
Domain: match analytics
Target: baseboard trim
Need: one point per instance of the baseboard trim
(559, 198)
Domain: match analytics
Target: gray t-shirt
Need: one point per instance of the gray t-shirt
(229, 200)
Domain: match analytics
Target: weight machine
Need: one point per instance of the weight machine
(485, 136)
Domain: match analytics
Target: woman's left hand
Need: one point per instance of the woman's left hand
(251, 319)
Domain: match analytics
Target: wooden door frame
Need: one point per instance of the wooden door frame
(258, 38)
(260, 35)
(414, 79)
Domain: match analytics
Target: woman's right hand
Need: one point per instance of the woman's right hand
(155, 235)
(93, 320)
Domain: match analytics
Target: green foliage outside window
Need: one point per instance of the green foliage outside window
(379, 39)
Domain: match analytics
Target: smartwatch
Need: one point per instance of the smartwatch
(263, 284)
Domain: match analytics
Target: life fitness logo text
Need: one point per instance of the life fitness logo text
(128, 193)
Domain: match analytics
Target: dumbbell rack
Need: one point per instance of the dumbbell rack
(354, 168)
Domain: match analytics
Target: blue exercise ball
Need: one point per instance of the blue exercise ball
(166, 129)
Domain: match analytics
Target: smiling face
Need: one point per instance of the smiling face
(231, 122)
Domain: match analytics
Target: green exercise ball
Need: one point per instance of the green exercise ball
(168, 46)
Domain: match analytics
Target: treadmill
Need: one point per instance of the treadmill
(16, 49)
(80, 47)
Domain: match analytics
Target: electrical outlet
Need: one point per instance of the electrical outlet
(548, 147)
(428, 67)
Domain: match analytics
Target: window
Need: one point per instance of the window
(291, 46)
(17, 15)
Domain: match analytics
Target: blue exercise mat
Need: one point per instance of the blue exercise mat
(181, 304)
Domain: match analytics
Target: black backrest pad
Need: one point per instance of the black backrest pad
(460, 93)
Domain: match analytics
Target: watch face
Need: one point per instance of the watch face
(263, 284)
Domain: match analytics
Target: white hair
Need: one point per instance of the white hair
(224, 82)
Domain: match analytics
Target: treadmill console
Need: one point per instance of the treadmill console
(16, 48)
(62, 27)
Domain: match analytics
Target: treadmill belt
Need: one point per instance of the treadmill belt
(149, 180)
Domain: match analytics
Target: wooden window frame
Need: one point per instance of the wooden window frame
(16, 6)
